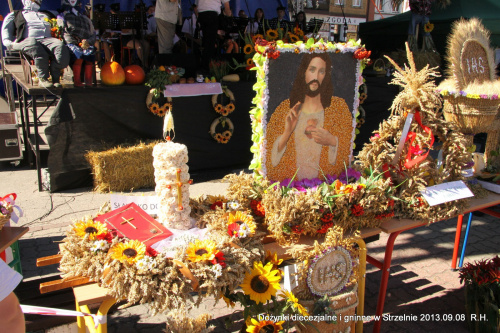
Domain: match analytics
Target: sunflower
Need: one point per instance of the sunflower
(290, 298)
(161, 112)
(267, 326)
(228, 301)
(261, 283)
(428, 27)
(218, 108)
(248, 49)
(241, 219)
(293, 38)
(218, 136)
(257, 36)
(201, 250)
(216, 199)
(272, 34)
(224, 112)
(297, 31)
(131, 251)
(272, 257)
(230, 107)
(226, 134)
(153, 107)
(167, 107)
(89, 227)
(223, 140)
(249, 62)
(297, 50)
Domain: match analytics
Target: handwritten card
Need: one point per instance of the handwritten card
(446, 192)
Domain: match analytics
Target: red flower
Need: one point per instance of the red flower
(357, 210)
(326, 218)
(297, 229)
(108, 237)
(362, 53)
(151, 252)
(257, 208)
(219, 259)
(216, 204)
(325, 228)
(233, 229)
(390, 203)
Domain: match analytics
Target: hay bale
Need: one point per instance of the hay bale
(123, 168)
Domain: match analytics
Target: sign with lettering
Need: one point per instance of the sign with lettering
(474, 62)
(446, 192)
(148, 203)
(330, 272)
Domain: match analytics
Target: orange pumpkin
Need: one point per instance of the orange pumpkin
(112, 74)
(134, 74)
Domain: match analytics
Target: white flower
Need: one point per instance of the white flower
(146, 263)
(217, 269)
(243, 232)
(233, 205)
(99, 245)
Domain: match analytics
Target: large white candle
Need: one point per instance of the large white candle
(172, 185)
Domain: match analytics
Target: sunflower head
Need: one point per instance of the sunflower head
(218, 108)
(264, 326)
(428, 27)
(293, 38)
(201, 250)
(153, 107)
(243, 219)
(230, 107)
(298, 31)
(261, 283)
(248, 49)
(272, 34)
(272, 257)
(257, 36)
(89, 227)
(128, 252)
(294, 302)
(161, 112)
(226, 134)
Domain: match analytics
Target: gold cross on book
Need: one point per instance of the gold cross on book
(128, 221)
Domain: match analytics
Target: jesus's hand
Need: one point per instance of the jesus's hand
(323, 137)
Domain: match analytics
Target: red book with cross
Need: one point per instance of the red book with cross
(133, 222)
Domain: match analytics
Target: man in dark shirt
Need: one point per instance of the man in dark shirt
(280, 21)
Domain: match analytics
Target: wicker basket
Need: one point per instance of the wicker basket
(471, 115)
(344, 305)
(5, 218)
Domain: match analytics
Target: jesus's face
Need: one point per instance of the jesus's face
(315, 74)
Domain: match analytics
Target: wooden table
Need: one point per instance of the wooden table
(8, 235)
(28, 96)
(394, 227)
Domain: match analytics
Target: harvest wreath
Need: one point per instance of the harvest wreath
(226, 134)
(224, 110)
(140, 274)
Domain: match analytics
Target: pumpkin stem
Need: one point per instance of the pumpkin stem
(112, 58)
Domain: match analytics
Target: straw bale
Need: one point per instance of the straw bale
(123, 168)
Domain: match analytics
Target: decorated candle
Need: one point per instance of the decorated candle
(172, 185)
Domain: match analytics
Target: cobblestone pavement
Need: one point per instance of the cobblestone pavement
(421, 287)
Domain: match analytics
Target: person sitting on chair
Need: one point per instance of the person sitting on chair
(79, 35)
(29, 31)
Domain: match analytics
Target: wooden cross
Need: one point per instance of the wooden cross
(179, 186)
(128, 221)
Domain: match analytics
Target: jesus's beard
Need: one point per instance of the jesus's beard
(313, 93)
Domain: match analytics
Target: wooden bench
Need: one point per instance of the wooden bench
(86, 293)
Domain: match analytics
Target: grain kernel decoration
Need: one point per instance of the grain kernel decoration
(258, 113)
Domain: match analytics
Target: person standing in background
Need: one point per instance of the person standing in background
(167, 15)
(208, 16)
